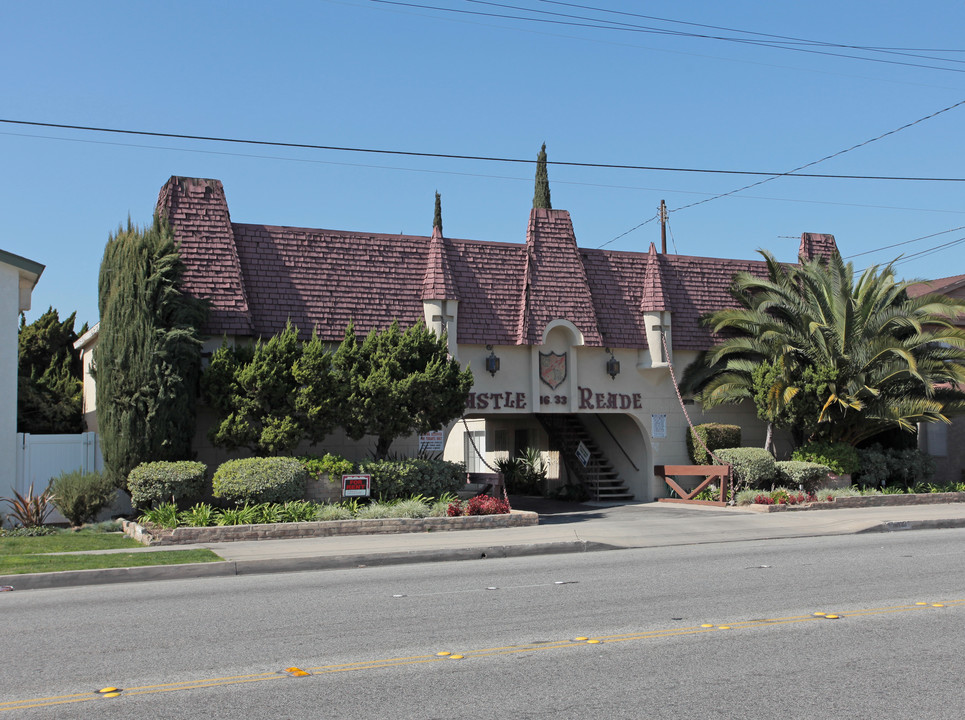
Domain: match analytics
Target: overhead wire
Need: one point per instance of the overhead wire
(597, 24)
(481, 158)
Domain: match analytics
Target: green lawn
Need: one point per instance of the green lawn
(20, 555)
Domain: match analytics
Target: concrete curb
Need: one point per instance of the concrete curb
(896, 526)
(227, 568)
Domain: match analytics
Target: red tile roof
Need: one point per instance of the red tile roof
(257, 277)
(198, 212)
(438, 283)
(941, 285)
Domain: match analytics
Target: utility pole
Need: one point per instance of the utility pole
(663, 227)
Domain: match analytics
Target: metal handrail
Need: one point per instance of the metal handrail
(610, 433)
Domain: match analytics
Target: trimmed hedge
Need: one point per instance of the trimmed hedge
(260, 480)
(715, 436)
(796, 473)
(840, 457)
(80, 496)
(753, 467)
(393, 479)
(158, 482)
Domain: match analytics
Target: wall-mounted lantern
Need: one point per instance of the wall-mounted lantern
(492, 362)
(612, 365)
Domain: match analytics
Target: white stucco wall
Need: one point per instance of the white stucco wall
(9, 316)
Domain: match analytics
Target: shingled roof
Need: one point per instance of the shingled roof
(258, 277)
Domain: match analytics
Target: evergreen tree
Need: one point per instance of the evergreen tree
(148, 355)
(398, 383)
(49, 383)
(437, 218)
(541, 197)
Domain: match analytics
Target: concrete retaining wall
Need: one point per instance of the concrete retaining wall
(278, 531)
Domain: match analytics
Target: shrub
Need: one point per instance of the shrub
(164, 515)
(244, 515)
(259, 480)
(80, 496)
(753, 467)
(180, 482)
(485, 505)
(200, 515)
(715, 436)
(840, 457)
(910, 466)
(797, 473)
(875, 467)
(905, 467)
(328, 464)
(335, 511)
(397, 479)
(524, 475)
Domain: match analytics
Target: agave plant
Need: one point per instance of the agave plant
(31, 510)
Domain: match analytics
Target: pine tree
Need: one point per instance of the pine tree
(437, 218)
(148, 357)
(541, 198)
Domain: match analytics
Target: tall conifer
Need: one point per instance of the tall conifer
(437, 218)
(148, 355)
(541, 198)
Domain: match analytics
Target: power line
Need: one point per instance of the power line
(788, 38)
(487, 176)
(826, 157)
(906, 242)
(480, 158)
(594, 23)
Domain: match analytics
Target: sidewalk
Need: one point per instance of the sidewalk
(563, 528)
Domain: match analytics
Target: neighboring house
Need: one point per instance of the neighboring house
(18, 277)
(566, 344)
(946, 443)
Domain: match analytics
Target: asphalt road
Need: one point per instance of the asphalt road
(370, 637)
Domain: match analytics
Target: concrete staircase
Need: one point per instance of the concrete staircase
(566, 432)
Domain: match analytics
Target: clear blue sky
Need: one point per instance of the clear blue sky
(372, 75)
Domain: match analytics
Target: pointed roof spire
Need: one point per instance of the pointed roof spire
(654, 297)
(437, 218)
(438, 282)
(541, 197)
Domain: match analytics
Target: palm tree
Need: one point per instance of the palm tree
(832, 358)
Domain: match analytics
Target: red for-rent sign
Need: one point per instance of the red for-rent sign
(356, 485)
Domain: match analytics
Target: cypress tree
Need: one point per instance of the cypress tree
(437, 218)
(541, 198)
(148, 356)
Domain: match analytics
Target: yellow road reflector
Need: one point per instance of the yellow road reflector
(297, 672)
(723, 627)
(938, 605)
(108, 690)
(921, 603)
(581, 638)
(444, 653)
(593, 642)
(455, 657)
(833, 617)
(707, 625)
(819, 614)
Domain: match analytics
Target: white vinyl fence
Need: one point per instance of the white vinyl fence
(43, 457)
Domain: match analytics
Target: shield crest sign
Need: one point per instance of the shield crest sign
(552, 368)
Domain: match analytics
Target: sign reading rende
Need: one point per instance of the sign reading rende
(356, 485)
